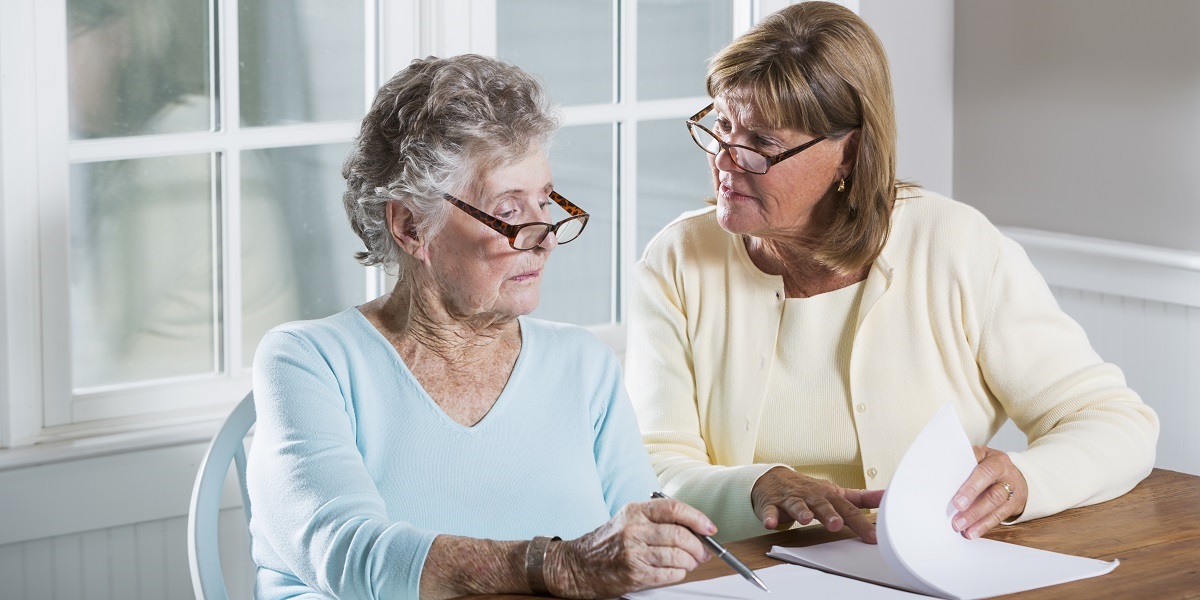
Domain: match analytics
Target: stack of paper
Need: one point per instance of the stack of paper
(784, 581)
(918, 550)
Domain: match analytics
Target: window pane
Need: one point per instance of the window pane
(673, 176)
(297, 246)
(301, 61)
(139, 66)
(143, 269)
(675, 41)
(568, 45)
(577, 283)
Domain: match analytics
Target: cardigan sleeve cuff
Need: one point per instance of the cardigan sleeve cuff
(724, 495)
(1036, 504)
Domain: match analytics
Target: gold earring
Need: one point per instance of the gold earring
(842, 186)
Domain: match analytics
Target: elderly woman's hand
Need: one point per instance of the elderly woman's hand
(647, 544)
(782, 496)
(995, 491)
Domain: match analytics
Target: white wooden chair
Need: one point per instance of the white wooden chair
(227, 446)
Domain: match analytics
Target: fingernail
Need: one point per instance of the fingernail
(973, 533)
(959, 523)
(711, 529)
(960, 502)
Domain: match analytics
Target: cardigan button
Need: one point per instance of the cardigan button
(861, 407)
(872, 472)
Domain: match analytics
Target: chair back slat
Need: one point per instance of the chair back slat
(227, 447)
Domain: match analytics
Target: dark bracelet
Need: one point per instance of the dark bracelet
(535, 563)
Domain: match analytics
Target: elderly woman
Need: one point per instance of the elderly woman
(397, 441)
(787, 344)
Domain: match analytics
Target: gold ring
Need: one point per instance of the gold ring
(1006, 487)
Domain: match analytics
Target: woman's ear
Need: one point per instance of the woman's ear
(404, 232)
(849, 152)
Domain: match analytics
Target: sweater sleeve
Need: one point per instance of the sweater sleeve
(663, 389)
(1091, 437)
(314, 503)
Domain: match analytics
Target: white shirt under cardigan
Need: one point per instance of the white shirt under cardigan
(951, 311)
(354, 469)
(807, 421)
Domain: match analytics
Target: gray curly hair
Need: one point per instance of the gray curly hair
(432, 128)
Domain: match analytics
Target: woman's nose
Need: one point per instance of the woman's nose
(724, 161)
(549, 242)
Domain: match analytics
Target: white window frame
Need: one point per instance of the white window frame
(41, 420)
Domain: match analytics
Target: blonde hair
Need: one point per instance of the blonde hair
(817, 67)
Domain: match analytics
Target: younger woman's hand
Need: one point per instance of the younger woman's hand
(782, 496)
(995, 491)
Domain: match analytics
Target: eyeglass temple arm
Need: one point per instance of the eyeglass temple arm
(704, 111)
(505, 229)
(566, 205)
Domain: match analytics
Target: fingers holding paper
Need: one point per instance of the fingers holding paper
(781, 497)
(646, 544)
(996, 490)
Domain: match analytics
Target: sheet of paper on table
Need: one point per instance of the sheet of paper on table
(785, 581)
(918, 550)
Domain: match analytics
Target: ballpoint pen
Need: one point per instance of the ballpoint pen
(723, 554)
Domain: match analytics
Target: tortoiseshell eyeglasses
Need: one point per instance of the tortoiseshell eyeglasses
(746, 158)
(528, 236)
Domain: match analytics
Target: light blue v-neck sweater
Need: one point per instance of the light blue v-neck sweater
(354, 470)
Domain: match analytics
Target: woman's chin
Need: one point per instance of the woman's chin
(522, 304)
(736, 219)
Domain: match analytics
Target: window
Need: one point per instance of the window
(626, 74)
(188, 196)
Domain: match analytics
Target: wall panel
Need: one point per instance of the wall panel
(144, 561)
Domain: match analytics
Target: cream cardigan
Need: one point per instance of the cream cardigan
(951, 311)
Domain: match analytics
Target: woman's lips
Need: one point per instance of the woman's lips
(528, 275)
(730, 194)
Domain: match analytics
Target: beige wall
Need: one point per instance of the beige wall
(919, 38)
(1081, 116)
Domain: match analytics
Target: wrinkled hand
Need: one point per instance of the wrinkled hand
(647, 544)
(782, 496)
(983, 501)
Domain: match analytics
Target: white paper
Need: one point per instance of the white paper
(784, 581)
(919, 550)
(853, 558)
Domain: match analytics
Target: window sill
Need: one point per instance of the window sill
(77, 444)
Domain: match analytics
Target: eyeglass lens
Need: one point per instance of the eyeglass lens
(530, 236)
(744, 158)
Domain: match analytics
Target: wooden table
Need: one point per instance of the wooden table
(1154, 530)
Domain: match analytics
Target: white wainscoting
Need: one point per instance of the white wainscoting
(144, 561)
(1139, 305)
